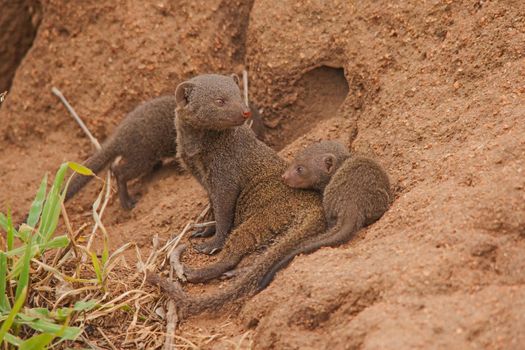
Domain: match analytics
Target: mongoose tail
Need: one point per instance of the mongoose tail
(247, 283)
(337, 235)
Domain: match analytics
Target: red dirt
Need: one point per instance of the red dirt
(435, 92)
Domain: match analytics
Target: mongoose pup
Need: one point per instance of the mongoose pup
(356, 192)
(242, 176)
(140, 142)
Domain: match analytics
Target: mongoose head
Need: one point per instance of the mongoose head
(211, 101)
(314, 166)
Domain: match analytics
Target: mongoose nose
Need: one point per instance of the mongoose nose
(247, 114)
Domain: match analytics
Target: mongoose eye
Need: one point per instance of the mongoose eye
(299, 170)
(219, 102)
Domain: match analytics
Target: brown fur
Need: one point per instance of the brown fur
(142, 139)
(356, 192)
(242, 178)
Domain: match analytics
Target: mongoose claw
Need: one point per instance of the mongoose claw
(211, 246)
(203, 232)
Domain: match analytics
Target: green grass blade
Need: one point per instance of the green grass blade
(46, 326)
(23, 279)
(51, 210)
(3, 222)
(20, 300)
(84, 305)
(79, 168)
(105, 253)
(57, 242)
(25, 233)
(37, 342)
(10, 230)
(38, 203)
(11, 339)
(4, 303)
(96, 267)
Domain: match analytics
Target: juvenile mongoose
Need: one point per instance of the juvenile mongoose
(242, 177)
(143, 138)
(356, 192)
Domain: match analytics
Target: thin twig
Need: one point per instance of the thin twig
(96, 215)
(71, 110)
(249, 122)
(204, 224)
(245, 86)
(107, 339)
(173, 320)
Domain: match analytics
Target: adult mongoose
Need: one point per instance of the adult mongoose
(141, 141)
(356, 192)
(242, 176)
(257, 125)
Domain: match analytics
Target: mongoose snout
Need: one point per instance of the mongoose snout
(295, 176)
(288, 179)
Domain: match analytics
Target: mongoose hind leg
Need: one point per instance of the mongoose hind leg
(241, 242)
(126, 170)
(204, 274)
(211, 245)
(235, 272)
(126, 201)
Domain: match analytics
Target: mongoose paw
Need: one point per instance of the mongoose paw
(234, 273)
(129, 204)
(176, 263)
(204, 232)
(211, 246)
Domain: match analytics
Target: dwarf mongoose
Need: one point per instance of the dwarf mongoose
(142, 139)
(356, 192)
(242, 176)
(257, 125)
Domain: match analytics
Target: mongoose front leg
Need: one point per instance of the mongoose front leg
(223, 204)
(198, 275)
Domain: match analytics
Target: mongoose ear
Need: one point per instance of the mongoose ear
(182, 93)
(329, 162)
(236, 79)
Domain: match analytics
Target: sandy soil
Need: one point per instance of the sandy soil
(434, 91)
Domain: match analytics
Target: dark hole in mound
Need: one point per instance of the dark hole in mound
(320, 92)
(19, 22)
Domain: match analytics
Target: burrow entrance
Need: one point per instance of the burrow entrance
(320, 93)
(19, 21)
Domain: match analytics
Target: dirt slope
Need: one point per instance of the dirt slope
(435, 91)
